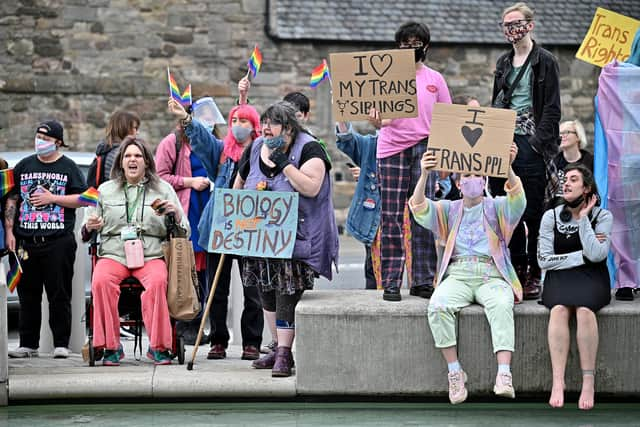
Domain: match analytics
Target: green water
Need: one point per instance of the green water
(319, 414)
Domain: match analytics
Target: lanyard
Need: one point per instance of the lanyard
(131, 211)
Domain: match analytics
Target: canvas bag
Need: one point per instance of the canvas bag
(183, 288)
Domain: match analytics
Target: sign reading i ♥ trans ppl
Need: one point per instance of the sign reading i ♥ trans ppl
(254, 223)
(472, 140)
(609, 37)
(382, 79)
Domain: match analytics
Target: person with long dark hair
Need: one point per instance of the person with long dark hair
(286, 158)
(574, 242)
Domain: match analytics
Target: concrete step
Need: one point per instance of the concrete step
(354, 343)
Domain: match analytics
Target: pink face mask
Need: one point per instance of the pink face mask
(472, 186)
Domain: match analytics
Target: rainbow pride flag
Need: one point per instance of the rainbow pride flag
(255, 61)
(89, 197)
(319, 74)
(6, 181)
(183, 98)
(15, 273)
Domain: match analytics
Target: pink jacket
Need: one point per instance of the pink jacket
(166, 158)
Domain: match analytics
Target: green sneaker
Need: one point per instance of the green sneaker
(112, 357)
(159, 357)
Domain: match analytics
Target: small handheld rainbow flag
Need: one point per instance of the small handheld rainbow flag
(89, 197)
(174, 92)
(15, 273)
(255, 61)
(319, 74)
(6, 181)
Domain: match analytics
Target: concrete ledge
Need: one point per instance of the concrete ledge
(354, 343)
(44, 378)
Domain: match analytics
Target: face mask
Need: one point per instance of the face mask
(577, 202)
(275, 142)
(45, 147)
(208, 127)
(240, 133)
(419, 54)
(516, 33)
(472, 187)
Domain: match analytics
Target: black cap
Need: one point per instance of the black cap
(53, 129)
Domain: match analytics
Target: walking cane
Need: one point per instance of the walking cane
(205, 315)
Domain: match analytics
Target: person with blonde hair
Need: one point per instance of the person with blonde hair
(526, 81)
(573, 141)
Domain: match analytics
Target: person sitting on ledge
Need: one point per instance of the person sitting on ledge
(475, 266)
(573, 247)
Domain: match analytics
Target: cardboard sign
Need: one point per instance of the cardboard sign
(609, 37)
(254, 223)
(472, 139)
(382, 79)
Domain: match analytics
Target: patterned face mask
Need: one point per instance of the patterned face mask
(515, 33)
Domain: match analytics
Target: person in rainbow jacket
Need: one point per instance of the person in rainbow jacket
(475, 267)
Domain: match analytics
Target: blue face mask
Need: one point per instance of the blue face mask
(275, 142)
(240, 133)
(208, 127)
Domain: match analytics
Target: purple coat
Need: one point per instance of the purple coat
(317, 234)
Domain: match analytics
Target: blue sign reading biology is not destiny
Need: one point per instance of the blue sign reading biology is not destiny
(254, 223)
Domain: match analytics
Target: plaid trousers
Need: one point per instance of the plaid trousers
(398, 175)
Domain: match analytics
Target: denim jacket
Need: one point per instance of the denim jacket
(208, 148)
(363, 219)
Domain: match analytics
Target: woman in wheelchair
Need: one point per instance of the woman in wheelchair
(131, 232)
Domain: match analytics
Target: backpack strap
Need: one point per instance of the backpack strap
(179, 135)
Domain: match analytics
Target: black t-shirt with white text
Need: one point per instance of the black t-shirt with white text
(62, 177)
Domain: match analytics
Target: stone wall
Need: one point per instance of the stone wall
(79, 60)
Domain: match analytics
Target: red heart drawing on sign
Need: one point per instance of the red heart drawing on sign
(381, 63)
(471, 135)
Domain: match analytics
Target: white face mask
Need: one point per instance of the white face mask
(44, 147)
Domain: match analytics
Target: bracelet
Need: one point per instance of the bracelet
(186, 121)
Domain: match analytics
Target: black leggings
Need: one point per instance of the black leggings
(284, 306)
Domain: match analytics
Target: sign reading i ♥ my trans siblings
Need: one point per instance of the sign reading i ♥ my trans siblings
(381, 79)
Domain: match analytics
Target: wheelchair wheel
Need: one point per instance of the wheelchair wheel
(92, 353)
(180, 350)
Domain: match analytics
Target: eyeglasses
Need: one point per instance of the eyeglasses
(513, 24)
(567, 132)
(411, 44)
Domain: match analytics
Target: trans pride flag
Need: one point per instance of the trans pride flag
(617, 166)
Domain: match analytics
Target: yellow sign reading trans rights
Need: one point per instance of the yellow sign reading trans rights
(609, 37)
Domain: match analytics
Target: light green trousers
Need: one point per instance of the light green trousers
(465, 283)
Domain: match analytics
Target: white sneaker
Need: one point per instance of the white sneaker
(457, 390)
(61, 353)
(504, 385)
(22, 352)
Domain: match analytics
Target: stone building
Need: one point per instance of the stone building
(79, 60)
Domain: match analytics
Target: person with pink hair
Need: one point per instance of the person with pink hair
(219, 159)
